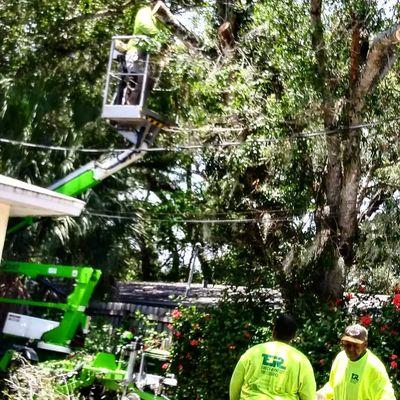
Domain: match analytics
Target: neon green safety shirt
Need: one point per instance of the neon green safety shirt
(364, 379)
(272, 371)
(145, 22)
(149, 30)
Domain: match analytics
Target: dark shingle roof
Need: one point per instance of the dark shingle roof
(166, 294)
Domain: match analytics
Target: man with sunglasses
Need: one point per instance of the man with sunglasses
(357, 374)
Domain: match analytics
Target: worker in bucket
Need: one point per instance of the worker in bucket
(274, 370)
(356, 373)
(150, 35)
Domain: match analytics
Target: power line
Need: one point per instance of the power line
(179, 148)
(272, 212)
(184, 221)
(214, 214)
(181, 221)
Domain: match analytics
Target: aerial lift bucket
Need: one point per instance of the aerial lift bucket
(123, 115)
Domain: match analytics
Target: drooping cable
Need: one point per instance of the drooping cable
(179, 148)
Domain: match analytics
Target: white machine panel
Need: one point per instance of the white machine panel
(122, 113)
(26, 326)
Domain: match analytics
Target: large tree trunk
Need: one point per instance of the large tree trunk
(337, 210)
(327, 271)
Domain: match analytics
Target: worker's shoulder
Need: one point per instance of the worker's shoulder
(297, 355)
(275, 348)
(144, 10)
(375, 362)
(256, 349)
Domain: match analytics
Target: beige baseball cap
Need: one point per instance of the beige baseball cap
(355, 334)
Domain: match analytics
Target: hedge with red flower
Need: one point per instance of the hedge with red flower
(207, 343)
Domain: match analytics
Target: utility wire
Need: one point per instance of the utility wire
(185, 221)
(213, 214)
(179, 148)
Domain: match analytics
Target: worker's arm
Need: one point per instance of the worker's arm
(235, 386)
(120, 46)
(161, 8)
(307, 385)
(163, 13)
(327, 392)
(381, 386)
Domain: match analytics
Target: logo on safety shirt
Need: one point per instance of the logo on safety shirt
(272, 365)
(354, 378)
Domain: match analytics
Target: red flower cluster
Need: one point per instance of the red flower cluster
(384, 327)
(365, 320)
(194, 342)
(176, 313)
(393, 363)
(396, 301)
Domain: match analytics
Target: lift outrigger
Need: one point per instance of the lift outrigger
(47, 335)
(140, 126)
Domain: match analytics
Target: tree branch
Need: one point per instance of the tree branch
(380, 59)
(101, 14)
(363, 190)
(380, 196)
(334, 173)
(355, 54)
(162, 13)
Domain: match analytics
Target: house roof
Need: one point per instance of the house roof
(25, 199)
(171, 294)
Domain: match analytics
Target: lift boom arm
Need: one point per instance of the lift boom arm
(90, 175)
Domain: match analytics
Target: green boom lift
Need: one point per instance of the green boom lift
(52, 335)
(51, 338)
(140, 126)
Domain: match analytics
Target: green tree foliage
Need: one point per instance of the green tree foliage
(292, 76)
(54, 57)
(269, 74)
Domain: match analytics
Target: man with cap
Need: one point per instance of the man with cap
(274, 370)
(356, 373)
